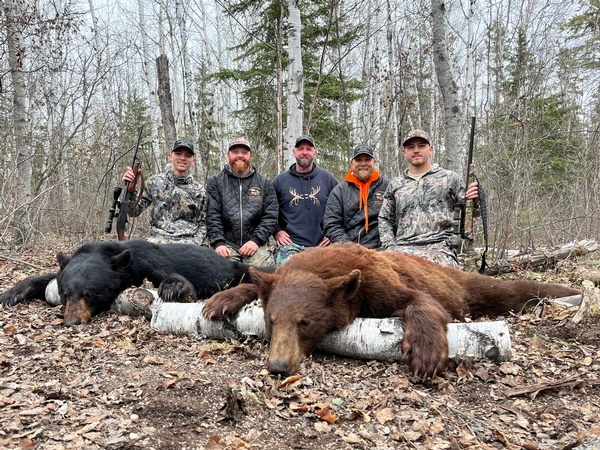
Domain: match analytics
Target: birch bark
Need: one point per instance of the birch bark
(295, 97)
(453, 118)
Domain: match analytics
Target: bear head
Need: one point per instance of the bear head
(88, 282)
(300, 308)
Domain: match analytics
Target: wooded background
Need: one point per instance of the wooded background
(78, 77)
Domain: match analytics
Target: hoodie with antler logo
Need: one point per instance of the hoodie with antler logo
(302, 199)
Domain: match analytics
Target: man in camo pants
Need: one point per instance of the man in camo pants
(417, 214)
(179, 202)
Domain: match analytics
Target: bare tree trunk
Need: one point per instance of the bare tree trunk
(165, 101)
(150, 76)
(16, 54)
(279, 138)
(392, 139)
(455, 150)
(470, 75)
(188, 83)
(295, 98)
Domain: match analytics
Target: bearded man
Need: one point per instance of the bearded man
(302, 192)
(242, 209)
(353, 205)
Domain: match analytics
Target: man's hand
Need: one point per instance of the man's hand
(249, 248)
(223, 251)
(283, 238)
(324, 242)
(129, 175)
(473, 191)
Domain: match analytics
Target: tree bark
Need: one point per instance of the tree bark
(453, 119)
(165, 100)
(295, 97)
(150, 76)
(22, 147)
(188, 83)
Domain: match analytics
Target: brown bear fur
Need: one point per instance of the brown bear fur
(324, 289)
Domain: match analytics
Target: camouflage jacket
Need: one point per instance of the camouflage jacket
(420, 212)
(178, 207)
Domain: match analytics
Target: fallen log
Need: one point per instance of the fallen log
(542, 259)
(363, 339)
(574, 382)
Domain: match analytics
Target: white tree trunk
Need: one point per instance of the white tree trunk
(455, 150)
(188, 82)
(469, 97)
(364, 338)
(295, 97)
(150, 78)
(22, 148)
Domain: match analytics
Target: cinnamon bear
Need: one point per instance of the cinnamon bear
(324, 289)
(94, 276)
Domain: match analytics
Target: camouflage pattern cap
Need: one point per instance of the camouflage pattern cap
(308, 139)
(363, 149)
(416, 134)
(239, 142)
(183, 144)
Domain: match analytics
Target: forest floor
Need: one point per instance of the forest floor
(118, 384)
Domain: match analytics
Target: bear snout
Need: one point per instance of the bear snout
(279, 368)
(77, 311)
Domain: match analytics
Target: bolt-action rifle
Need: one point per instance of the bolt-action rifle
(119, 207)
(467, 207)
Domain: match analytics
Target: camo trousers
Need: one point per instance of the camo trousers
(440, 253)
(263, 256)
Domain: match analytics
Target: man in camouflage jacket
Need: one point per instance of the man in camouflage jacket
(178, 201)
(242, 209)
(417, 215)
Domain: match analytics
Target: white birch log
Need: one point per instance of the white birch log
(363, 339)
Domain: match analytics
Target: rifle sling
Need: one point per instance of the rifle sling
(483, 211)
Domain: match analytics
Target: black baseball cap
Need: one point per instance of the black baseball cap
(183, 144)
(363, 149)
(308, 139)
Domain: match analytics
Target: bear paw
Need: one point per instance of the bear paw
(226, 303)
(176, 288)
(425, 354)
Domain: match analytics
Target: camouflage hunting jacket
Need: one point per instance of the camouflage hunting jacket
(420, 212)
(178, 207)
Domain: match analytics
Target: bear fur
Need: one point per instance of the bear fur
(94, 276)
(324, 289)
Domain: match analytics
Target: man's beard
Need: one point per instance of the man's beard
(304, 164)
(239, 167)
(363, 175)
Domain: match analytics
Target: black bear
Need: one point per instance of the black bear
(98, 272)
(324, 289)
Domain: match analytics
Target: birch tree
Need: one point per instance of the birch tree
(188, 80)
(295, 90)
(150, 78)
(16, 59)
(453, 117)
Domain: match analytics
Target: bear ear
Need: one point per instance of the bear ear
(62, 259)
(344, 286)
(121, 260)
(264, 283)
